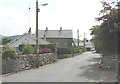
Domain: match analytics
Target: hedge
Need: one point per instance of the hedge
(69, 50)
(61, 51)
(28, 49)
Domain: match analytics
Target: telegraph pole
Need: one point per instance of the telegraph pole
(78, 37)
(37, 46)
(84, 42)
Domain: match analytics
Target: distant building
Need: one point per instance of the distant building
(57, 37)
(89, 46)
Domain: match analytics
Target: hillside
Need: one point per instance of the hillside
(9, 37)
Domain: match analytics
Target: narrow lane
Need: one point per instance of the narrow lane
(80, 68)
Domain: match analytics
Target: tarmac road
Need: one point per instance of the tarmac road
(81, 68)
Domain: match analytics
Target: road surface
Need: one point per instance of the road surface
(81, 68)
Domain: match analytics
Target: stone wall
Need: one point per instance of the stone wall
(26, 62)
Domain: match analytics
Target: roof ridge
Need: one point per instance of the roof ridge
(17, 38)
(38, 39)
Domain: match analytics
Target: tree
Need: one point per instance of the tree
(95, 31)
(106, 35)
(5, 41)
(110, 29)
(8, 53)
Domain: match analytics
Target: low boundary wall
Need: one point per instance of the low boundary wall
(25, 62)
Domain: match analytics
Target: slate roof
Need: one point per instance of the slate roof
(26, 38)
(55, 33)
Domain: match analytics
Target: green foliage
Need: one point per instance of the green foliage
(18, 52)
(27, 49)
(70, 50)
(8, 54)
(5, 41)
(75, 50)
(95, 30)
(61, 51)
(81, 49)
(105, 36)
(21, 47)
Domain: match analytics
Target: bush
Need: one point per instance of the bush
(82, 50)
(61, 51)
(21, 47)
(76, 50)
(70, 50)
(9, 54)
(27, 49)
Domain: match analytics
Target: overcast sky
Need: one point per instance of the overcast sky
(15, 17)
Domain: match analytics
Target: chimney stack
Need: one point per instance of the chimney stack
(60, 28)
(46, 28)
(29, 32)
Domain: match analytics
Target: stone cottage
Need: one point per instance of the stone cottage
(57, 37)
(26, 38)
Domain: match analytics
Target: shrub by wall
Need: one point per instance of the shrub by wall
(61, 51)
(76, 50)
(8, 54)
(69, 52)
(27, 49)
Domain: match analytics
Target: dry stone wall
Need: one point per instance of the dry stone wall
(25, 62)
